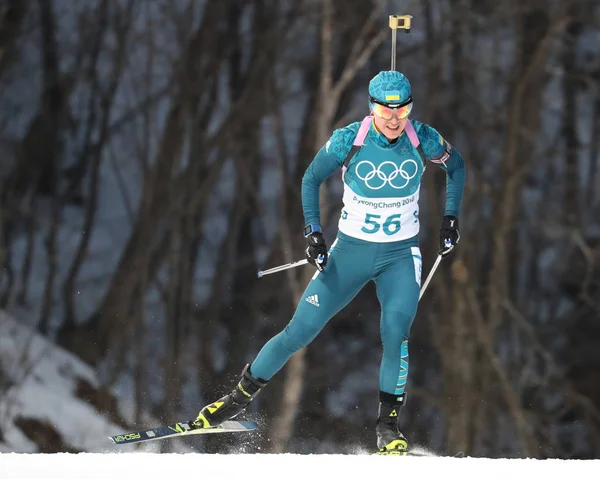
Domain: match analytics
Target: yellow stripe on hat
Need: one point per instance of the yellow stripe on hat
(392, 97)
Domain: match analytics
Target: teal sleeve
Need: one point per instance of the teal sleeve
(441, 153)
(329, 158)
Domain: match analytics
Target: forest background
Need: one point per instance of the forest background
(151, 155)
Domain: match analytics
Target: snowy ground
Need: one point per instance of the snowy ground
(146, 465)
(40, 386)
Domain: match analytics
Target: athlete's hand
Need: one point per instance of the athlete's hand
(316, 250)
(449, 235)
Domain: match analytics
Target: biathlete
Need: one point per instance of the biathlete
(383, 159)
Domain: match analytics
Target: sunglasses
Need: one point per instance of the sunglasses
(387, 111)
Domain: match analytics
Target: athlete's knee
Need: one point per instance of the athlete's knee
(395, 328)
(299, 334)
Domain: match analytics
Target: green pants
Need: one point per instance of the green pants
(396, 270)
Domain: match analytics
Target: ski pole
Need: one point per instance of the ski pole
(283, 267)
(395, 25)
(433, 268)
(405, 25)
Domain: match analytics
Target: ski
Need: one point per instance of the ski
(429, 454)
(180, 429)
(413, 453)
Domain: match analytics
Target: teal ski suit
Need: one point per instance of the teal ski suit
(378, 240)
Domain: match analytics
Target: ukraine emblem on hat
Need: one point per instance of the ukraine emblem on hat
(390, 87)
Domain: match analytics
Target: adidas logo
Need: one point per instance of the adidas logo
(314, 299)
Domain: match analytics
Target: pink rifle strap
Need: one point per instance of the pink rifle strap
(363, 130)
(412, 134)
(360, 136)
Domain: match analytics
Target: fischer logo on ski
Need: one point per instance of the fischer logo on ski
(180, 429)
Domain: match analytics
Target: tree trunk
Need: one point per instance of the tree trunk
(571, 120)
(11, 19)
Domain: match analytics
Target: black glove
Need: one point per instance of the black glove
(449, 235)
(316, 250)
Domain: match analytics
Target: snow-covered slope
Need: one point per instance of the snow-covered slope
(49, 400)
(96, 466)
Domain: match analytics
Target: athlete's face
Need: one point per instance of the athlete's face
(391, 129)
(390, 119)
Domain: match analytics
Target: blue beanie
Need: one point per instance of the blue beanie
(390, 87)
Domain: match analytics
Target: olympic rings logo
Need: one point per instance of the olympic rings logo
(391, 178)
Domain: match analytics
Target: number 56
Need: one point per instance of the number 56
(390, 226)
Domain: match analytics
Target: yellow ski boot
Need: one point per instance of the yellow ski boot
(232, 404)
(390, 440)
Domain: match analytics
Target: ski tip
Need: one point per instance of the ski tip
(236, 425)
(249, 424)
(259, 274)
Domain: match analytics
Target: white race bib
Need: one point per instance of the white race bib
(380, 220)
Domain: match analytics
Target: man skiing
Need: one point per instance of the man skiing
(377, 241)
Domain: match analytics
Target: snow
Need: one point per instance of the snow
(37, 370)
(92, 466)
(38, 380)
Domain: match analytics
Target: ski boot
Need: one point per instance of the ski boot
(230, 405)
(390, 440)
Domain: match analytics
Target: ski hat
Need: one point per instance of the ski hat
(390, 87)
